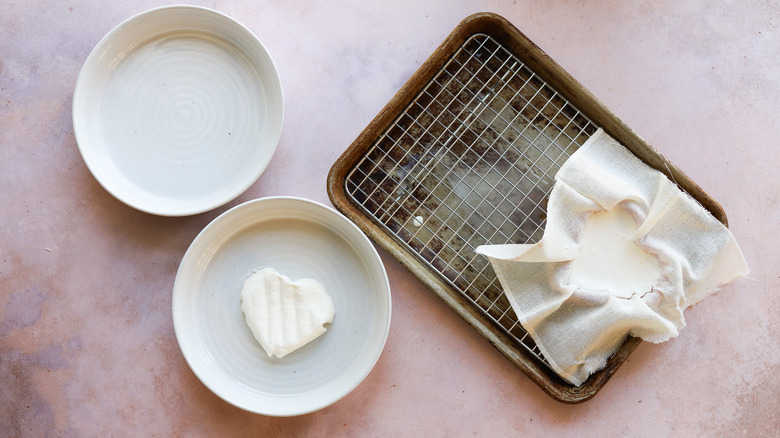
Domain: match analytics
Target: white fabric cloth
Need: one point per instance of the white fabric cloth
(578, 329)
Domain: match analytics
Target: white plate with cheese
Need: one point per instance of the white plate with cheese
(178, 110)
(300, 239)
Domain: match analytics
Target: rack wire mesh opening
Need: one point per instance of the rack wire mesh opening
(471, 161)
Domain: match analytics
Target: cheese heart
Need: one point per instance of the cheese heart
(285, 315)
(610, 261)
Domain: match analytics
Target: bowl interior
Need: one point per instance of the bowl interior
(178, 110)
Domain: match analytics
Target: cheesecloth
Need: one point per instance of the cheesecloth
(578, 329)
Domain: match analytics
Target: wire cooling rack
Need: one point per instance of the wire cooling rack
(471, 161)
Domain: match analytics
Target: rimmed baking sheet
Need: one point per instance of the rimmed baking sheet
(465, 154)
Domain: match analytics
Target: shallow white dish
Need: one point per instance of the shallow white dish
(299, 238)
(178, 110)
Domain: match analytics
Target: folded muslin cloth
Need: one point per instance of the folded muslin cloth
(624, 252)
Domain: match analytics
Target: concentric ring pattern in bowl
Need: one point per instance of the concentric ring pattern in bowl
(178, 110)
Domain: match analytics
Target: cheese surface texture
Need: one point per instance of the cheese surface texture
(285, 315)
(610, 261)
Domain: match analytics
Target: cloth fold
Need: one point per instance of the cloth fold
(579, 322)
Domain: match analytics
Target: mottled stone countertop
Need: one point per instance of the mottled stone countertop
(87, 346)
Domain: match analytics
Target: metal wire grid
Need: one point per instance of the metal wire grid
(471, 161)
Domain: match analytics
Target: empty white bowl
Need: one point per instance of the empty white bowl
(300, 239)
(178, 110)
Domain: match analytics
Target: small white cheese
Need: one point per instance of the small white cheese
(609, 260)
(285, 315)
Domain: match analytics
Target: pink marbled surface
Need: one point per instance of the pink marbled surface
(87, 346)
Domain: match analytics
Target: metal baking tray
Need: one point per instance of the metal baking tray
(465, 154)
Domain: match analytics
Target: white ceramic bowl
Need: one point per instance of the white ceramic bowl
(178, 110)
(300, 239)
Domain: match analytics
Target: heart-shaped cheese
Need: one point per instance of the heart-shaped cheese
(609, 260)
(285, 315)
